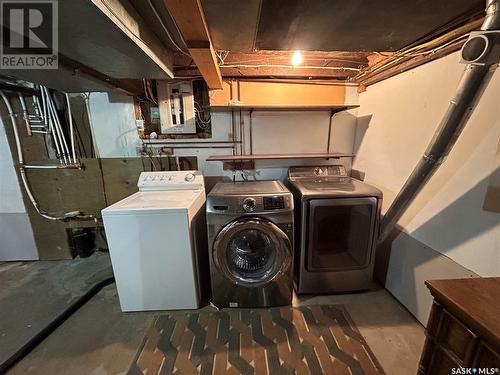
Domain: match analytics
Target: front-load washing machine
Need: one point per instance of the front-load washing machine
(157, 242)
(250, 236)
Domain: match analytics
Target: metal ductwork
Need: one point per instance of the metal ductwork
(481, 52)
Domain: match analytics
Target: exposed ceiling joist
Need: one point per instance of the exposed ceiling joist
(262, 64)
(190, 19)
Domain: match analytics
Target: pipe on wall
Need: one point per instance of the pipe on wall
(73, 215)
(25, 113)
(472, 83)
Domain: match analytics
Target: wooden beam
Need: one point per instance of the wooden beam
(126, 18)
(267, 72)
(190, 19)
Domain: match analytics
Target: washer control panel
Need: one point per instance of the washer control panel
(320, 171)
(250, 204)
(170, 180)
(274, 203)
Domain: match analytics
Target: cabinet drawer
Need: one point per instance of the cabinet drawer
(426, 357)
(441, 363)
(455, 337)
(486, 357)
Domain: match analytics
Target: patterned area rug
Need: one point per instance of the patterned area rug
(301, 340)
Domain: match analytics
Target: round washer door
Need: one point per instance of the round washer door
(252, 251)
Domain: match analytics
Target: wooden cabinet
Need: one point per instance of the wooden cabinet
(464, 327)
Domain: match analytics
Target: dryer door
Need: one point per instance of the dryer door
(252, 251)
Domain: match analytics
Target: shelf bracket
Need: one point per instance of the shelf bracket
(332, 112)
(250, 130)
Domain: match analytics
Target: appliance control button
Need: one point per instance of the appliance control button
(189, 177)
(318, 171)
(249, 204)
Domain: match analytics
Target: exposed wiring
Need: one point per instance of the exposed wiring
(203, 117)
(326, 60)
(415, 51)
(118, 18)
(399, 57)
(148, 91)
(167, 32)
(222, 55)
(434, 50)
(343, 68)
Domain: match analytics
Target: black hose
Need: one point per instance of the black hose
(53, 325)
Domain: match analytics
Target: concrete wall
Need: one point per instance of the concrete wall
(396, 120)
(16, 237)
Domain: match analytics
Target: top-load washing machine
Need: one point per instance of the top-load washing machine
(336, 221)
(157, 242)
(250, 236)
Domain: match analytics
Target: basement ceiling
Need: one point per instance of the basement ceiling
(335, 25)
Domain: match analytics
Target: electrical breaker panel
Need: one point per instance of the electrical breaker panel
(176, 104)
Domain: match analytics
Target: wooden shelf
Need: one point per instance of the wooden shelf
(233, 158)
(325, 108)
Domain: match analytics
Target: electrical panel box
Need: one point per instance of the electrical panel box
(176, 104)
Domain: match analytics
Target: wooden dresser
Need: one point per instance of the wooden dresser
(464, 327)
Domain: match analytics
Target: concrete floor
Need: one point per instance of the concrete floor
(100, 339)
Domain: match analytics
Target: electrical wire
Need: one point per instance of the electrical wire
(308, 58)
(165, 28)
(343, 68)
(150, 90)
(204, 122)
(110, 9)
(413, 52)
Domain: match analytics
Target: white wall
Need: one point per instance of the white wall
(11, 200)
(279, 133)
(397, 119)
(113, 125)
(16, 237)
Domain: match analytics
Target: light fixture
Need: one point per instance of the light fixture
(296, 58)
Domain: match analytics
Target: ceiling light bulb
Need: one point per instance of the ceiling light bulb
(296, 58)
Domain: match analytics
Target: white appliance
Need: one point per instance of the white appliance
(176, 106)
(157, 242)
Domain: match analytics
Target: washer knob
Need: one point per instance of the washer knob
(189, 177)
(249, 204)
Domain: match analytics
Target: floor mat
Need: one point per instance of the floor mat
(282, 340)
